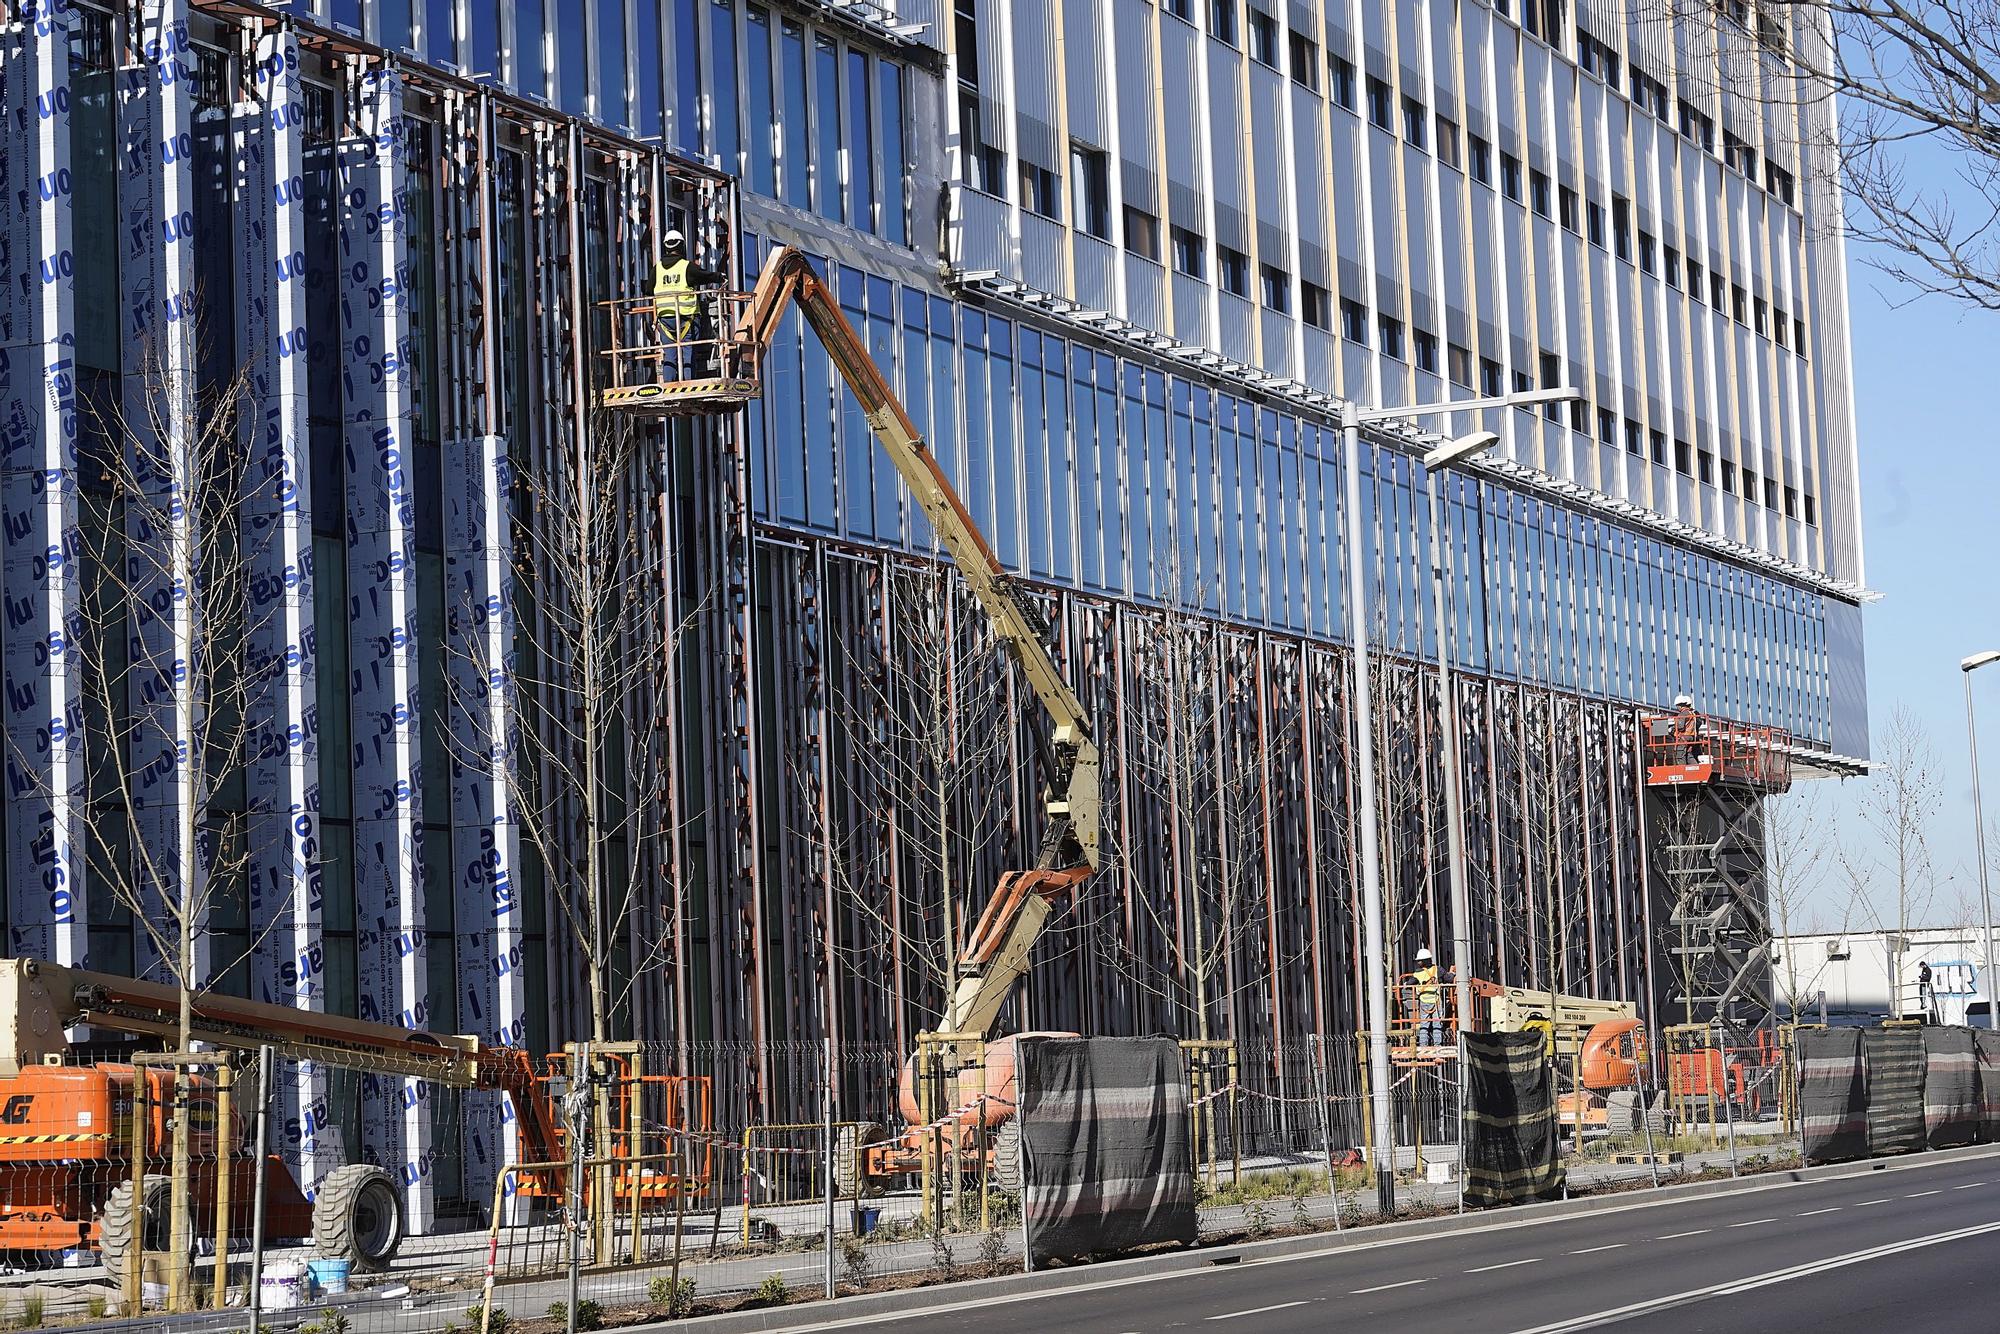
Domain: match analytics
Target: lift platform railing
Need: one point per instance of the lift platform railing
(679, 363)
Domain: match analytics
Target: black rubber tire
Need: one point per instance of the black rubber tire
(114, 1225)
(849, 1143)
(358, 1217)
(1623, 1117)
(1007, 1173)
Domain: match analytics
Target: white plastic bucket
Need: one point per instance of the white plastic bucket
(283, 1287)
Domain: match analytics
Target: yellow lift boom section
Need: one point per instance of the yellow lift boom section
(995, 955)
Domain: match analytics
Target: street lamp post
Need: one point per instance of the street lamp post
(1966, 668)
(1375, 975)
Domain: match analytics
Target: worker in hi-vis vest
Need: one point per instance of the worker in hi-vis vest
(687, 332)
(1430, 1001)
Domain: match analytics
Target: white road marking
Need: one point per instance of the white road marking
(1865, 1203)
(1620, 1314)
(1969, 1185)
(1754, 1222)
(1257, 1310)
(1406, 1283)
(1834, 1209)
(1919, 1194)
(1592, 1250)
(1673, 1235)
(1487, 1269)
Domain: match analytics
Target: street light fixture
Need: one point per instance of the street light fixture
(1966, 668)
(1374, 952)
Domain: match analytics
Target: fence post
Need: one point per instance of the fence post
(1728, 1110)
(142, 1116)
(826, 1094)
(255, 1300)
(1461, 1119)
(1322, 1095)
(579, 1107)
(225, 1177)
(494, 1223)
(1646, 1120)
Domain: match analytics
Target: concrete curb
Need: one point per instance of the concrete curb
(944, 1297)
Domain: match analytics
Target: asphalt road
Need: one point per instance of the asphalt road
(1894, 1250)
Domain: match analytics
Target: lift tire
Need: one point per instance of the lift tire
(850, 1152)
(1624, 1117)
(114, 1225)
(1008, 1171)
(358, 1216)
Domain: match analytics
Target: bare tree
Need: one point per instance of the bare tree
(928, 732)
(1911, 79)
(588, 773)
(1808, 886)
(1895, 868)
(171, 692)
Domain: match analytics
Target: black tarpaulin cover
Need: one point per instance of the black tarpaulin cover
(1833, 1095)
(1510, 1132)
(1105, 1144)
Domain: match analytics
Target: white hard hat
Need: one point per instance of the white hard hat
(674, 237)
(1683, 702)
(1423, 956)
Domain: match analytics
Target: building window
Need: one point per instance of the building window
(1812, 512)
(985, 162)
(1761, 310)
(1415, 122)
(1737, 303)
(1090, 186)
(1277, 285)
(1718, 290)
(1567, 204)
(1142, 233)
(1305, 60)
(1705, 464)
(1594, 214)
(1799, 335)
(1510, 176)
(1235, 271)
(1182, 10)
(1447, 141)
(1739, 154)
(1781, 327)
(1189, 252)
(1646, 252)
(1343, 81)
(1378, 102)
(1524, 383)
(1316, 305)
(1490, 383)
(1354, 322)
(1694, 278)
(1040, 194)
(1481, 153)
(1607, 426)
(1427, 351)
(1770, 493)
(1222, 20)
(1683, 457)
(1392, 336)
(1750, 486)
(1461, 365)
(1673, 268)
(1621, 227)
(1728, 477)
(1659, 443)
(1263, 38)
(1634, 438)
(1779, 182)
(1538, 192)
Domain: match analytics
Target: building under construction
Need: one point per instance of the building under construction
(1123, 264)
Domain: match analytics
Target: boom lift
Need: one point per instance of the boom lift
(65, 1131)
(995, 954)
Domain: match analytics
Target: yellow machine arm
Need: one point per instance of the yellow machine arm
(996, 954)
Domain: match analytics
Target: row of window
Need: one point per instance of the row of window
(1094, 472)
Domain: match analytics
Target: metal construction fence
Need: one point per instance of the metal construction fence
(698, 1173)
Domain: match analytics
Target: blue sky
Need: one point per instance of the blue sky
(1927, 372)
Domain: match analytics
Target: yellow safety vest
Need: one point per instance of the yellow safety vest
(1428, 995)
(671, 294)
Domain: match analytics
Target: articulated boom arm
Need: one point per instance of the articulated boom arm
(996, 954)
(38, 1001)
